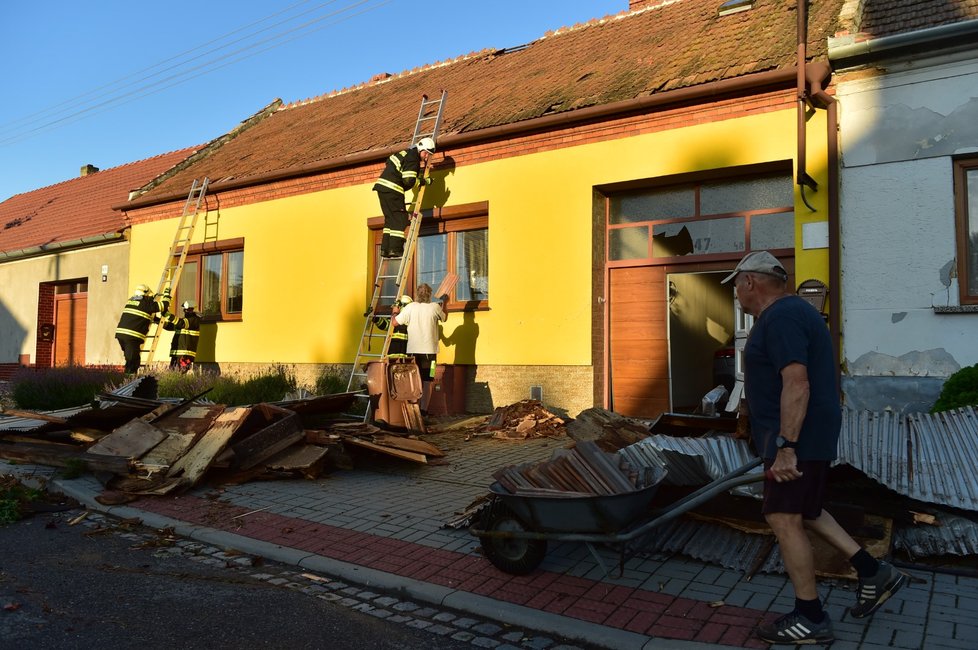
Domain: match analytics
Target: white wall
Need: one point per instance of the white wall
(19, 281)
(897, 220)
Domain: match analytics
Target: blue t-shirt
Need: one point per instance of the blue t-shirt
(791, 330)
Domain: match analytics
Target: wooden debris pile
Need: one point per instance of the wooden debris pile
(525, 419)
(143, 446)
(609, 430)
(584, 470)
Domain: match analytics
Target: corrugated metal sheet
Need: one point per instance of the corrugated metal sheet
(692, 461)
(930, 458)
(954, 536)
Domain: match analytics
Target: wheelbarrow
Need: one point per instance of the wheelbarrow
(514, 529)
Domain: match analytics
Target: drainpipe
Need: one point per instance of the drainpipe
(803, 180)
(818, 75)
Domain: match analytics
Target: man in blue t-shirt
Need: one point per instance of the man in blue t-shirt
(795, 418)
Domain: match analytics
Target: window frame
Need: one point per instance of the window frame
(694, 181)
(437, 221)
(962, 220)
(196, 254)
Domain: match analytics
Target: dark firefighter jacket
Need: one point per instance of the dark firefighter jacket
(138, 314)
(186, 334)
(400, 173)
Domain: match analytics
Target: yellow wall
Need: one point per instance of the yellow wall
(305, 260)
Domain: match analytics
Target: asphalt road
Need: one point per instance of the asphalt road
(85, 585)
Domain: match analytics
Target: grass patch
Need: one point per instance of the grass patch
(62, 387)
(13, 498)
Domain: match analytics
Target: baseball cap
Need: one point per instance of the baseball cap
(759, 262)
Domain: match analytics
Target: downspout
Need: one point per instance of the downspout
(803, 179)
(819, 75)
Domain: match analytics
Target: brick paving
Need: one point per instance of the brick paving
(389, 516)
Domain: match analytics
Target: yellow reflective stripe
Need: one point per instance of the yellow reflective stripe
(410, 174)
(396, 159)
(394, 187)
(137, 312)
(183, 353)
(399, 335)
(398, 234)
(132, 333)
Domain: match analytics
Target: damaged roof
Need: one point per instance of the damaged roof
(77, 208)
(667, 46)
(879, 18)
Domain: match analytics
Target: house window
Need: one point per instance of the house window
(966, 218)
(213, 276)
(452, 240)
(707, 217)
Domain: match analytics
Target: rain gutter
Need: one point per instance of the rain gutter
(61, 246)
(843, 53)
(772, 78)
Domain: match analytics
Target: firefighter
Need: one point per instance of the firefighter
(186, 334)
(402, 171)
(398, 345)
(135, 320)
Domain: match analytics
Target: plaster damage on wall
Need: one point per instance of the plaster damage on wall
(926, 363)
(906, 133)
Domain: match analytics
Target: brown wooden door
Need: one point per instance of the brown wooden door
(70, 317)
(638, 348)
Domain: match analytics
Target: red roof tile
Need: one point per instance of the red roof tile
(666, 46)
(77, 208)
(881, 18)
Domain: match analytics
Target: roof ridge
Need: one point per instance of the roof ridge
(384, 77)
(103, 171)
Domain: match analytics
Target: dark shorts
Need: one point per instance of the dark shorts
(802, 496)
(426, 365)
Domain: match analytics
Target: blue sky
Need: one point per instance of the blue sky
(109, 81)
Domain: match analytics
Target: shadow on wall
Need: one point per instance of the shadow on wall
(12, 336)
(463, 338)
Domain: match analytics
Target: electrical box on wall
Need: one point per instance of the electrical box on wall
(105, 273)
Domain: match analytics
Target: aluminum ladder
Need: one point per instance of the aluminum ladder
(392, 271)
(177, 255)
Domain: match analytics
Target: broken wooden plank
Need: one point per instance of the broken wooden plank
(17, 413)
(131, 440)
(283, 431)
(55, 455)
(408, 444)
(195, 462)
(390, 451)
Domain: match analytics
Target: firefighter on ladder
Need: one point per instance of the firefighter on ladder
(397, 349)
(135, 320)
(401, 172)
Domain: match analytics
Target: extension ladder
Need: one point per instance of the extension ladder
(177, 255)
(392, 271)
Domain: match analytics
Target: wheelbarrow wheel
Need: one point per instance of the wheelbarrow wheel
(512, 555)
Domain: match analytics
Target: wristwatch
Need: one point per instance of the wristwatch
(784, 443)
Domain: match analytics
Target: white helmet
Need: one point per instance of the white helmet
(405, 300)
(426, 144)
(189, 304)
(142, 289)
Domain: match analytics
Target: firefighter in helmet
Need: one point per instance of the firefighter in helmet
(186, 334)
(402, 172)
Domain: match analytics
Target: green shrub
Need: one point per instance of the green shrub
(48, 389)
(960, 389)
(268, 386)
(331, 380)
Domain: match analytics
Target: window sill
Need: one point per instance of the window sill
(960, 309)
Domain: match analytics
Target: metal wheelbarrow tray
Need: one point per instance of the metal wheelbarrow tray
(514, 529)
